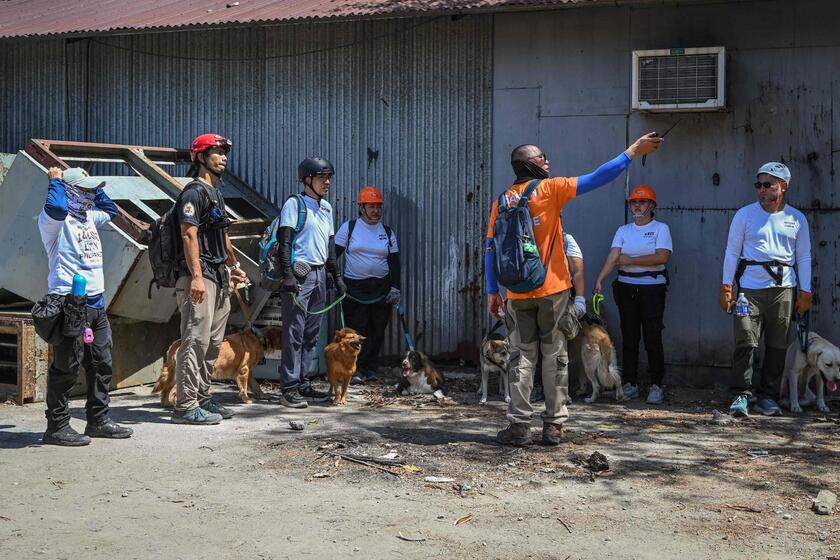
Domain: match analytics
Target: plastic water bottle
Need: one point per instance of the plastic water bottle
(79, 285)
(742, 306)
(88, 336)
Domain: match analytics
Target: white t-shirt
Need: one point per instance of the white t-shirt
(638, 241)
(73, 247)
(367, 256)
(311, 244)
(757, 235)
(571, 247)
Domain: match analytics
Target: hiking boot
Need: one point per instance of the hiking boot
(551, 434)
(369, 374)
(215, 408)
(313, 395)
(293, 399)
(196, 416)
(107, 429)
(357, 380)
(740, 406)
(65, 436)
(537, 394)
(630, 391)
(655, 395)
(768, 407)
(517, 434)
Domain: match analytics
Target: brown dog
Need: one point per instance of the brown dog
(239, 355)
(419, 375)
(341, 356)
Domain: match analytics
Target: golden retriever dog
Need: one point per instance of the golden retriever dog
(341, 355)
(239, 355)
(599, 361)
(821, 363)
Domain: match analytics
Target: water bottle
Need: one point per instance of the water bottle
(529, 246)
(79, 285)
(742, 306)
(88, 336)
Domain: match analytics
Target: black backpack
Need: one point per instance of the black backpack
(352, 225)
(166, 248)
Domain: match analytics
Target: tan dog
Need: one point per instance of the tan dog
(821, 363)
(341, 355)
(495, 355)
(239, 355)
(599, 361)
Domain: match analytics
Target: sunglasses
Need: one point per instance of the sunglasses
(540, 156)
(763, 185)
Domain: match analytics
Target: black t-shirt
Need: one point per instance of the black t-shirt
(203, 206)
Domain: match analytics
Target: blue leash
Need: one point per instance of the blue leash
(408, 340)
(365, 301)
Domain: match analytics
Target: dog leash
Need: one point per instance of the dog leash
(803, 329)
(408, 340)
(495, 326)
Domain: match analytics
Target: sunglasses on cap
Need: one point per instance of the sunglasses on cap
(763, 184)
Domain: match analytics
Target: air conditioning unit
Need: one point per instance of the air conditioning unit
(675, 80)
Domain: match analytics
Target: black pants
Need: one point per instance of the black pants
(641, 309)
(368, 319)
(68, 358)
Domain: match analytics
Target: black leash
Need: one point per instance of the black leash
(803, 329)
(495, 327)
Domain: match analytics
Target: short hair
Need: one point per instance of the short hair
(521, 152)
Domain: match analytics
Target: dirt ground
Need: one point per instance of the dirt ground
(679, 484)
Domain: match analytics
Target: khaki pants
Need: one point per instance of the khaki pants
(770, 314)
(532, 324)
(202, 333)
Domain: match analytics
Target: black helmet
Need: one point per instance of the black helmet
(315, 166)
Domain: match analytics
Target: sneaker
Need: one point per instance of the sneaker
(293, 399)
(356, 380)
(630, 391)
(313, 395)
(768, 407)
(551, 434)
(740, 406)
(107, 429)
(65, 436)
(196, 416)
(518, 434)
(655, 395)
(216, 408)
(537, 394)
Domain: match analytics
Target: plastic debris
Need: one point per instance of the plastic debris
(439, 479)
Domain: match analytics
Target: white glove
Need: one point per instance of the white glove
(393, 297)
(580, 306)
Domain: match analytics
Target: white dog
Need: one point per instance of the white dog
(821, 362)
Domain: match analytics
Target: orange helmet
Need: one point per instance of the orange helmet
(642, 192)
(370, 195)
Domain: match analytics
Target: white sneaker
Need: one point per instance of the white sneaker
(655, 396)
(631, 391)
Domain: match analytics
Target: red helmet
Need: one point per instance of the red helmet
(642, 192)
(370, 195)
(207, 141)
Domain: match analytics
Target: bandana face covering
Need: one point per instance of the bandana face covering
(79, 202)
(525, 171)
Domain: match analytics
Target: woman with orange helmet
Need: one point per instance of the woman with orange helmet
(372, 274)
(640, 250)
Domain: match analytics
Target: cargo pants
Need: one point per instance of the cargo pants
(533, 327)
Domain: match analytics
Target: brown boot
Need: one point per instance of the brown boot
(551, 434)
(517, 434)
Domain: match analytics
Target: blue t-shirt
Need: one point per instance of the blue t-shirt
(311, 244)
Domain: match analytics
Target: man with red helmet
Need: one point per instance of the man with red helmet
(372, 274)
(640, 250)
(203, 286)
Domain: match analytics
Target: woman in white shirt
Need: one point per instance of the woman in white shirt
(372, 274)
(640, 250)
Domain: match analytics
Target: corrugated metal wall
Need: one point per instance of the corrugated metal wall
(573, 98)
(406, 107)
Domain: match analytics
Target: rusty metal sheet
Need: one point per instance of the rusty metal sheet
(27, 18)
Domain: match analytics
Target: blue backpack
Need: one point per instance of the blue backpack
(270, 278)
(519, 267)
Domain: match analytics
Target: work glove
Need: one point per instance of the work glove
(290, 285)
(803, 302)
(340, 286)
(580, 306)
(393, 296)
(725, 297)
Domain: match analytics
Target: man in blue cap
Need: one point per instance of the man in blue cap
(76, 207)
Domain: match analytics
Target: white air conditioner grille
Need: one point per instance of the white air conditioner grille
(678, 79)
